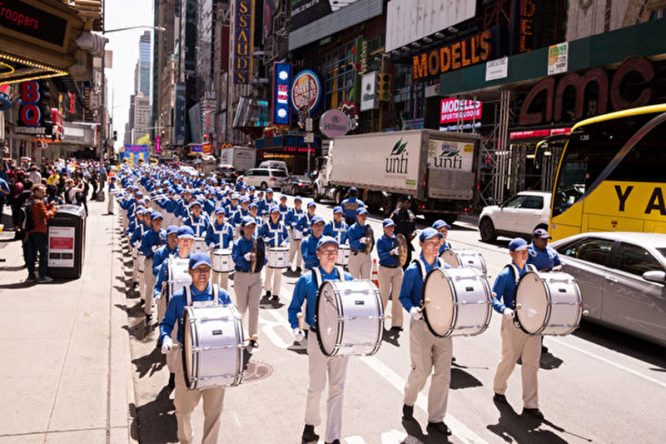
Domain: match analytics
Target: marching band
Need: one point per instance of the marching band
(222, 232)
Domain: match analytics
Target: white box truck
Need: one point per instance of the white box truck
(438, 169)
(242, 158)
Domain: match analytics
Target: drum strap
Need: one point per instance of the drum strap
(516, 272)
(422, 267)
(318, 279)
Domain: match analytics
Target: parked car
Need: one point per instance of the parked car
(622, 278)
(275, 165)
(227, 172)
(301, 185)
(518, 216)
(264, 177)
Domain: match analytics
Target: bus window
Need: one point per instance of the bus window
(646, 162)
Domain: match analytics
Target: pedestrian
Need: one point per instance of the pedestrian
(33, 175)
(516, 343)
(350, 205)
(320, 367)
(427, 351)
(390, 274)
(361, 244)
(36, 241)
(337, 228)
(405, 224)
(111, 190)
(186, 400)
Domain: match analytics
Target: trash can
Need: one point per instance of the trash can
(66, 242)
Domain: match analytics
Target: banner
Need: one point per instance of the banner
(281, 87)
(243, 41)
(133, 154)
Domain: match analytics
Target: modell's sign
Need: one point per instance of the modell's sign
(461, 54)
(456, 110)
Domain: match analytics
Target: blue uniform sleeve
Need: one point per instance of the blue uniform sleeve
(305, 251)
(384, 249)
(169, 320)
(297, 299)
(210, 235)
(161, 278)
(556, 258)
(407, 287)
(499, 286)
(328, 230)
(223, 297)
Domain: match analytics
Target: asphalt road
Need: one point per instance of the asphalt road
(594, 386)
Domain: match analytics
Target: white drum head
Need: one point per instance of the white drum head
(532, 297)
(327, 318)
(188, 356)
(451, 258)
(438, 299)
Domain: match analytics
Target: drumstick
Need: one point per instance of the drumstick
(519, 306)
(301, 321)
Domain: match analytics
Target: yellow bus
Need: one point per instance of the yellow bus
(612, 175)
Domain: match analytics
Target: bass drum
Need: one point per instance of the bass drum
(548, 303)
(457, 302)
(465, 259)
(349, 318)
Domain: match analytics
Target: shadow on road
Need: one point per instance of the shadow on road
(415, 434)
(155, 421)
(460, 379)
(391, 336)
(267, 303)
(150, 364)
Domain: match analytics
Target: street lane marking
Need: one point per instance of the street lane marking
(609, 362)
(355, 440)
(393, 437)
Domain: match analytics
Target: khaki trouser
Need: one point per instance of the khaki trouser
(135, 266)
(148, 285)
(161, 305)
(428, 351)
(185, 402)
(176, 352)
(319, 367)
(360, 265)
(247, 287)
(222, 279)
(109, 205)
(273, 280)
(390, 281)
(518, 344)
(295, 250)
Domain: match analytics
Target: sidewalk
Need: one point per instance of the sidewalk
(65, 370)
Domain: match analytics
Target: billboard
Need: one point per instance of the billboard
(243, 41)
(132, 154)
(306, 91)
(281, 87)
(304, 12)
(456, 110)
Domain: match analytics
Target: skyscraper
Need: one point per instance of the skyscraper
(144, 70)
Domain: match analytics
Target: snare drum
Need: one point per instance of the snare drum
(350, 318)
(466, 259)
(548, 303)
(177, 276)
(457, 302)
(343, 255)
(199, 245)
(222, 261)
(213, 342)
(296, 234)
(141, 261)
(278, 257)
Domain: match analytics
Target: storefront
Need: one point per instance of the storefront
(290, 148)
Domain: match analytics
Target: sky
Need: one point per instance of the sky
(125, 47)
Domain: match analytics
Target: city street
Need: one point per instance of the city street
(595, 386)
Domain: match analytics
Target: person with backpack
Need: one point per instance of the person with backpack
(37, 215)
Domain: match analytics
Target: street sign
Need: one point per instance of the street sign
(309, 137)
(308, 124)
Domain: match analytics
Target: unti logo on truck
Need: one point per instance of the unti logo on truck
(449, 157)
(397, 161)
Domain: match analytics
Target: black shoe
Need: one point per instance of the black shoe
(438, 427)
(535, 413)
(142, 302)
(544, 349)
(453, 359)
(254, 343)
(397, 329)
(299, 270)
(337, 441)
(275, 298)
(172, 381)
(309, 435)
(501, 399)
(149, 317)
(268, 293)
(407, 412)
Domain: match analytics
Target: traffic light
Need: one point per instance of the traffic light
(115, 136)
(384, 86)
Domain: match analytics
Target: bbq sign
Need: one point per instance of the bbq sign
(306, 91)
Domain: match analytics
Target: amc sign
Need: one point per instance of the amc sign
(456, 110)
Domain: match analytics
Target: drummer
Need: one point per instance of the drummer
(170, 248)
(219, 236)
(390, 272)
(426, 350)
(186, 400)
(337, 228)
(284, 208)
(150, 243)
(443, 228)
(247, 282)
(293, 216)
(360, 262)
(197, 220)
(275, 235)
(309, 244)
(321, 367)
(516, 343)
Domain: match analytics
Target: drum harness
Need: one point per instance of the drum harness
(424, 275)
(316, 275)
(188, 297)
(220, 232)
(276, 232)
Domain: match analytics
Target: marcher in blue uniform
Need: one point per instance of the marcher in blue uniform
(350, 205)
(516, 343)
(304, 224)
(284, 208)
(390, 273)
(360, 262)
(220, 236)
(296, 235)
(167, 250)
(427, 351)
(266, 204)
(337, 228)
(151, 241)
(275, 235)
(197, 220)
(309, 245)
(185, 400)
(321, 367)
(443, 229)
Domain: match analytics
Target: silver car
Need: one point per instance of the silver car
(622, 278)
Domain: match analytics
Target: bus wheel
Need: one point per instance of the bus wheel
(487, 230)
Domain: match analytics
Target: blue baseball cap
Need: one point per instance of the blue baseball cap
(245, 199)
(429, 233)
(235, 196)
(219, 210)
(326, 240)
(298, 199)
(185, 232)
(312, 204)
(195, 202)
(283, 197)
(254, 205)
(337, 210)
(518, 244)
(269, 190)
(172, 229)
(247, 220)
(361, 210)
(439, 223)
(274, 209)
(251, 188)
(388, 223)
(316, 220)
(156, 215)
(198, 259)
(541, 234)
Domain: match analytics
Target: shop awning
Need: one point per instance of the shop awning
(646, 39)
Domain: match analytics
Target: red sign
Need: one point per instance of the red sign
(455, 110)
(158, 144)
(61, 243)
(538, 134)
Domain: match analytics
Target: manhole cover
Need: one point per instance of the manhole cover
(256, 371)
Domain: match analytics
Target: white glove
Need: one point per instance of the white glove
(157, 297)
(167, 345)
(395, 252)
(298, 335)
(293, 224)
(363, 240)
(508, 313)
(154, 248)
(248, 257)
(137, 244)
(211, 245)
(416, 314)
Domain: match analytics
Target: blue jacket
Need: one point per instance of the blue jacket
(239, 215)
(150, 239)
(198, 224)
(338, 231)
(138, 232)
(411, 292)
(213, 235)
(272, 232)
(306, 290)
(504, 288)
(444, 247)
(283, 212)
(309, 252)
(384, 246)
(264, 206)
(293, 216)
(350, 205)
(230, 211)
(303, 224)
(160, 256)
(543, 260)
(238, 251)
(176, 308)
(355, 233)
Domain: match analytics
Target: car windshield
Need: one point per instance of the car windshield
(279, 173)
(662, 251)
